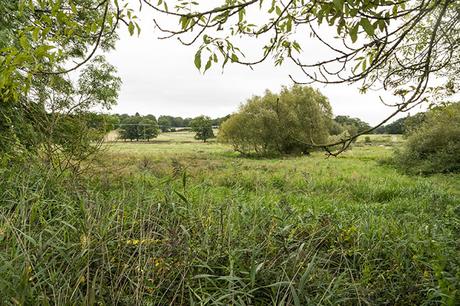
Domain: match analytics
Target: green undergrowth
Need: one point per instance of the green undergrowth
(214, 228)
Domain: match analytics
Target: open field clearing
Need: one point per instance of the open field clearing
(185, 222)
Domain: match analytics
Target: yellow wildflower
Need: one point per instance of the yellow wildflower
(84, 241)
(81, 279)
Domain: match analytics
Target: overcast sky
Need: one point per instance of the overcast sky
(160, 78)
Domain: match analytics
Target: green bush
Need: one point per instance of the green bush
(435, 146)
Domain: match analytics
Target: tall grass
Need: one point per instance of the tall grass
(220, 230)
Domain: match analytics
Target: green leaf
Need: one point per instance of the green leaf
(289, 24)
(241, 15)
(395, 10)
(339, 4)
(296, 46)
(184, 179)
(20, 59)
(73, 8)
(184, 21)
(278, 11)
(208, 64)
(198, 60)
(272, 8)
(43, 50)
(23, 42)
(364, 65)
(131, 28)
(35, 33)
(367, 26)
(181, 196)
(354, 33)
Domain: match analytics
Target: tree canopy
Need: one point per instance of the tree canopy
(41, 42)
(202, 126)
(138, 127)
(400, 45)
(352, 125)
(282, 123)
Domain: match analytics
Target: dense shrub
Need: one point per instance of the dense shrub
(279, 123)
(435, 145)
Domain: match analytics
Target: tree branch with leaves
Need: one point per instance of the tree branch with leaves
(410, 48)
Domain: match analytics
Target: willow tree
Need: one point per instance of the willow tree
(281, 123)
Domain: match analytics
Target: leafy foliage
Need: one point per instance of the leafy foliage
(168, 122)
(395, 127)
(41, 38)
(40, 106)
(402, 125)
(55, 121)
(352, 125)
(279, 123)
(138, 127)
(435, 145)
(202, 126)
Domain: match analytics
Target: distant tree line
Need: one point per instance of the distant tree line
(170, 123)
(137, 127)
(356, 125)
(348, 125)
(402, 125)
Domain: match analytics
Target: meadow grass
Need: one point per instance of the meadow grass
(182, 222)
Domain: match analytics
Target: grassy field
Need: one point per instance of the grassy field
(177, 221)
